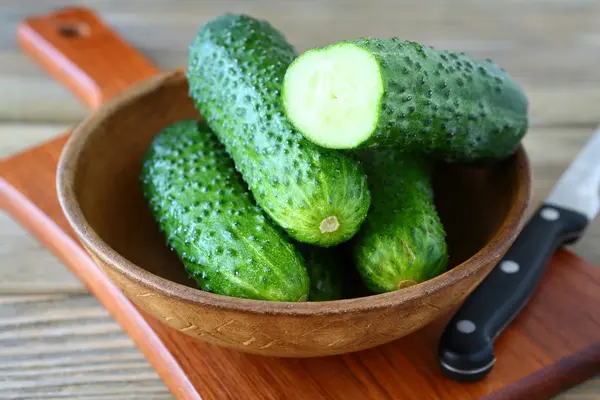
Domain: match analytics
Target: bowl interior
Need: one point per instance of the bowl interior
(472, 201)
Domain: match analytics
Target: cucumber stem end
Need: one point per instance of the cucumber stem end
(329, 224)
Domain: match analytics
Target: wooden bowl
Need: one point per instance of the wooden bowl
(482, 208)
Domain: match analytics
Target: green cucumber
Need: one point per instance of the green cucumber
(324, 268)
(235, 70)
(370, 93)
(402, 242)
(204, 209)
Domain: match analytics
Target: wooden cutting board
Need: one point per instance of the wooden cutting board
(553, 344)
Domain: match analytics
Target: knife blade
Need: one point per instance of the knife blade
(466, 347)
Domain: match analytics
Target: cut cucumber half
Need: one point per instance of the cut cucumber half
(333, 95)
(371, 93)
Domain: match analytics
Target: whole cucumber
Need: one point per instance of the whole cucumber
(402, 241)
(370, 93)
(235, 70)
(210, 220)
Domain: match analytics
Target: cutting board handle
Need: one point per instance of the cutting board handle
(83, 53)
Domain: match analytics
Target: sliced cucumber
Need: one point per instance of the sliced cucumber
(333, 95)
(371, 93)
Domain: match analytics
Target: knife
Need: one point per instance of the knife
(466, 351)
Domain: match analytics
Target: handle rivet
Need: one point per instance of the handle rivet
(465, 326)
(509, 267)
(550, 214)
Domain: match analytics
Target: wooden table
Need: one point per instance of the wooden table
(56, 341)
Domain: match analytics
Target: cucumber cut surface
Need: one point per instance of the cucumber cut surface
(336, 95)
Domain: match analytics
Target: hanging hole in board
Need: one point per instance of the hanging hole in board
(75, 30)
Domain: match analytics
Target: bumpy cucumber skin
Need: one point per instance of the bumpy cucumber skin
(324, 268)
(402, 242)
(452, 106)
(204, 209)
(235, 72)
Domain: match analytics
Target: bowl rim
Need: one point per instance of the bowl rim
(65, 185)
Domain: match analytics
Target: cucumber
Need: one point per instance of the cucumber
(402, 242)
(324, 268)
(371, 93)
(235, 69)
(203, 207)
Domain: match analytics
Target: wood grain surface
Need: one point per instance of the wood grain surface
(551, 47)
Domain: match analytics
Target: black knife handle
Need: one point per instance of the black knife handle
(466, 349)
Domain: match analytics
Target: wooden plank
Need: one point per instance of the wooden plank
(27, 266)
(37, 99)
(17, 137)
(67, 346)
(536, 42)
(55, 345)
